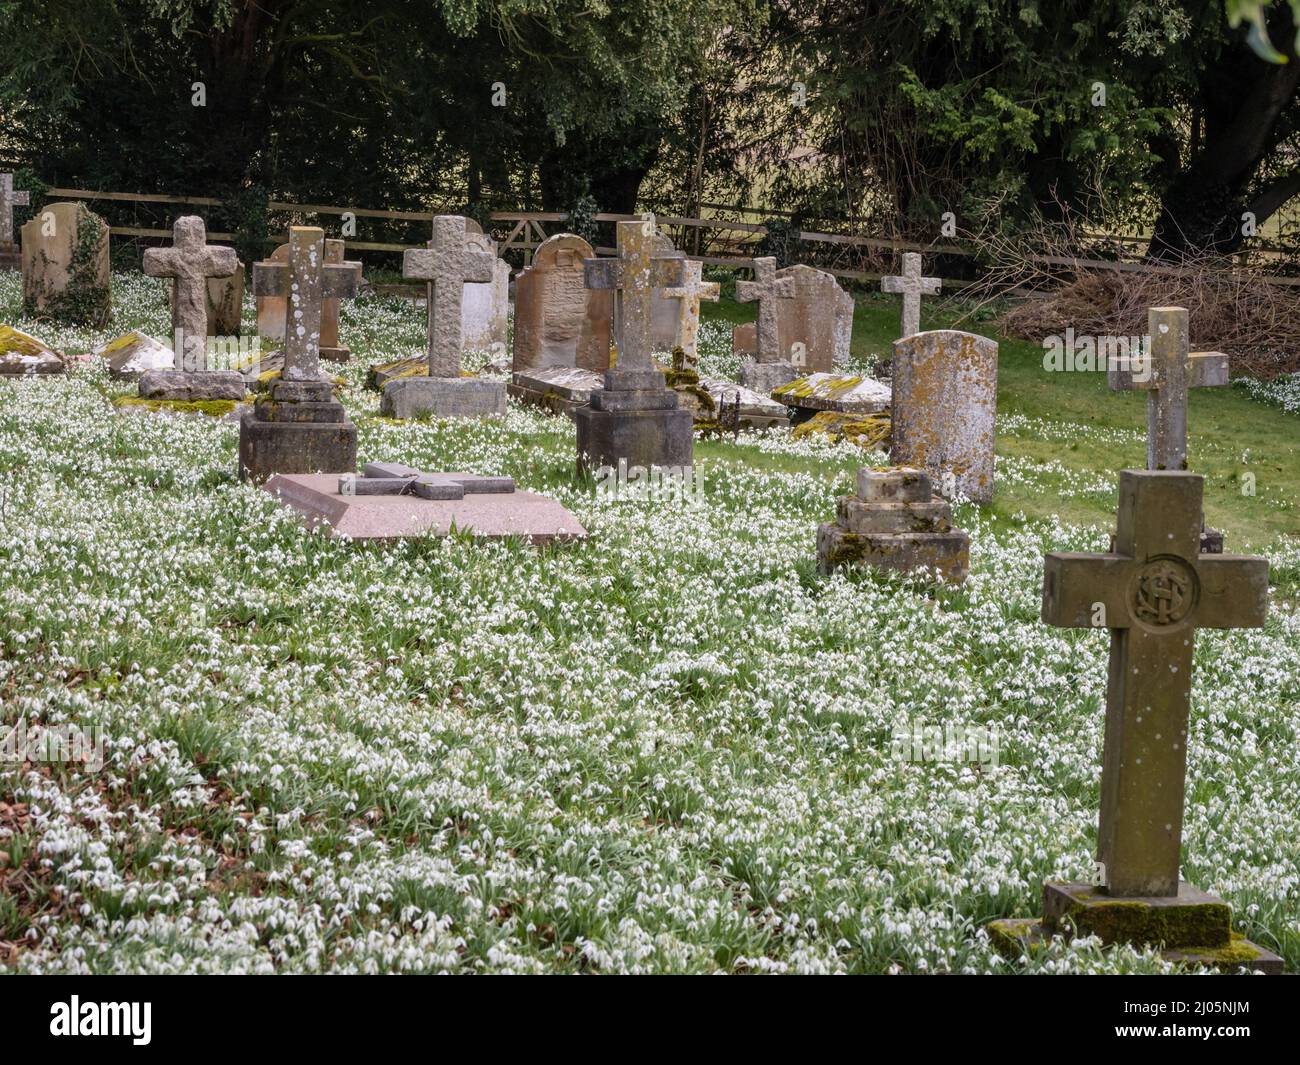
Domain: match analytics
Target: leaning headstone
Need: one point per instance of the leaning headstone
(271, 309)
(133, 354)
(485, 306)
(65, 265)
(912, 286)
(559, 322)
(1152, 590)
(190, 261)
(636, 417)
(298, 426)
(9, 199)
(394, 502)
(1166, 374)
(894, 521)
(771, 366)
(815, 328)
(450, 260)
(944, 406)
(22, 355)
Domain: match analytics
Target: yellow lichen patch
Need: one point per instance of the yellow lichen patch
(16, 342)
(213, 408)
(869, 431)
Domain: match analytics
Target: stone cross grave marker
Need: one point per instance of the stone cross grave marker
(190, 261)
(446, 264)
(392, 478)
(633, 277)
(306, 280)
(912, 286)
(1170, 371)
(1153, 590)
(692, 289)
(9, 199)
(766, 289)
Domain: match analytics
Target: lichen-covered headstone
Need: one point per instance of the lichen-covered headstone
(558, 320)
(814, 328)
(65, 265)
(944, 405)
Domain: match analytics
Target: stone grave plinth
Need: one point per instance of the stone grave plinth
(895, 522)
(394, 502)
(134, 353)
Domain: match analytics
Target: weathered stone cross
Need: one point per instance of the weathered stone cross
(913, 286)
(1153, 590)
(9, 199)
(394, 479)
(766, 289)
(191, 260)
(305, 280)
(1166, 375)
(447, 263)
(692, 289)
(634, 276)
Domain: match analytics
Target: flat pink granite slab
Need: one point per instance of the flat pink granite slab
(489, 516)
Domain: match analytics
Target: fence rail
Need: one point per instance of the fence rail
(527, 232)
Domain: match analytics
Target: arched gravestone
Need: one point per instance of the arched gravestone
(558, 320)
(484, 306)
(65, 265)
(945, 401)
(817, 325)
(271, 309)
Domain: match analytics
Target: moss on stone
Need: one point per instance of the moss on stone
(213, 408)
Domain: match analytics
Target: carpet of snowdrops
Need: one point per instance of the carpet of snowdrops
(670, 748)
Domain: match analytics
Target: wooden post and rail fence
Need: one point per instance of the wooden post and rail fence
(527, 230)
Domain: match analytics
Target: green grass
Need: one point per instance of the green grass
(1075, 422)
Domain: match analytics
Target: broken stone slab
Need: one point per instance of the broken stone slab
(559, 389)
(870, 431)
(443, 397)
(563, 389)
(388, 516)
(23, 355)
(395, 370)
(134, 353)
(845, 393)
(192, 385)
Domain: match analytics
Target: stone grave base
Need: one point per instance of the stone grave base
(636, 418)
(1193, 927)
(10, 256)
(382, 372)
(335, 354)
(23, 355)
(443, 397)
(191, 386)
(381, 518)
(843, 393)
(765, 376)
(894, 522)
(298, 428)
